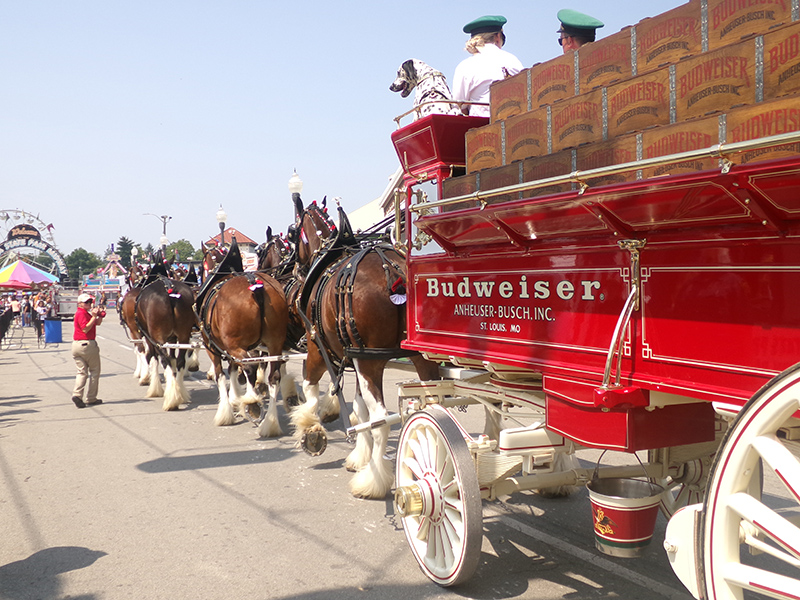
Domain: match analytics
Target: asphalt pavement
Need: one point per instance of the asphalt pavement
(124, 500)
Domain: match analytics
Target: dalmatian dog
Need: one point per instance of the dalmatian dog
(430, 85)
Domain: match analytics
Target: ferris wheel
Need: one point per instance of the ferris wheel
(12, 221)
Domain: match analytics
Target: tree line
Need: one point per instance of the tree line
(82, 262)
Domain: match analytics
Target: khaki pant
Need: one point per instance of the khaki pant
(87, 356)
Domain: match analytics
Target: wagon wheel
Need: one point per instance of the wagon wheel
(686, 482)
(438, 497)
(747, 542)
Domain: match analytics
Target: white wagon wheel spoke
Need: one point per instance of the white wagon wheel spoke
(438, 497)
(750, 544)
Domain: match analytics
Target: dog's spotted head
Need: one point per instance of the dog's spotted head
(406, 79)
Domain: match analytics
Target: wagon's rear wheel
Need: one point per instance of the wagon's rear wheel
(750, 540)
(438, 497)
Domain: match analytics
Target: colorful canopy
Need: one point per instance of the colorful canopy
(14, 285)
(22, 272)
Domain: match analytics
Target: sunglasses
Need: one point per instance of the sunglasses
(561, 39)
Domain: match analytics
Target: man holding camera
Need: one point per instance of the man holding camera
(86, 352)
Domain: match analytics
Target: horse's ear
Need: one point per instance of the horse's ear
(325, 202)
(411, 71)
(269, 232)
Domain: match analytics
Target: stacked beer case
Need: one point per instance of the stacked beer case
(706, 72)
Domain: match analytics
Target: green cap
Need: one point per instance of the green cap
(486, 24)
(577, 23)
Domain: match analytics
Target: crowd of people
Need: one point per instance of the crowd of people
(28, 307)
(489, 62)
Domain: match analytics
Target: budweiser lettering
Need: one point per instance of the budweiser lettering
(679, 27)
(782, 53)
(556, 73)
(643, 91)
(674, 143)
(482, 140)
(727, 9)
(523, 289)
(579, 111)
(765, 124)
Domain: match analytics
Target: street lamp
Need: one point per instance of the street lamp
(134, 254)
(295, 186)
(163, 241)
(222, 216)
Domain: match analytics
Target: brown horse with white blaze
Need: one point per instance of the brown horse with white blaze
(354, 300)
(243, 318)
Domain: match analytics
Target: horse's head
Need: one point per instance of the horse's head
(312, 228)
(274, 254)
(212, 256)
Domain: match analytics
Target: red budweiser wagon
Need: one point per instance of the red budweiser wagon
(649, 305)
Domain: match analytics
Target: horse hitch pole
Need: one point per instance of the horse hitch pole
(390, 419)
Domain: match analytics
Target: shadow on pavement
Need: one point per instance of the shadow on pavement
(37, 575)
(170, 464)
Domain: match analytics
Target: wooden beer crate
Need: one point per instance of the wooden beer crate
(509, 97)
(731, 20)
(577, 121)
(549, 165)
(669, 37)
(605, 61)
(638, 103)
(716, 81)
(782, 61)
(695, 134)
(605, 154)
(462, 185)
(484, 147)
(459, 186)
(762, 120)
(526, 135)
(491, 179)
(553, 80)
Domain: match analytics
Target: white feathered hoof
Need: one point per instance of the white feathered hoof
(303, 419)
(224, 415)
(270, 426)
(373, 481)
(329, 408)
(193, 361)
(156, 389)
(314, 441)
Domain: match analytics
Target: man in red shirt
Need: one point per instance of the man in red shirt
(86, 352)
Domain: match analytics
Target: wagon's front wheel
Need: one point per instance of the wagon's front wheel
(751, 541)
(438, 497)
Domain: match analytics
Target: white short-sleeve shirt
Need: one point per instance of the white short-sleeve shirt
(475, 74)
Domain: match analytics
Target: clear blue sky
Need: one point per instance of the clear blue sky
(112, 109)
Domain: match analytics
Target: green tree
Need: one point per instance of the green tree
(124, 246)
(82, 262)
(183, 249)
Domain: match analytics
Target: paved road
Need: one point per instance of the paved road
(127, 501)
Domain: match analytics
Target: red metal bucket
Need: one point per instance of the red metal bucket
(624, 513)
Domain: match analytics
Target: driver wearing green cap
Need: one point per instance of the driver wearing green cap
(576, 29)
(488, 63)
